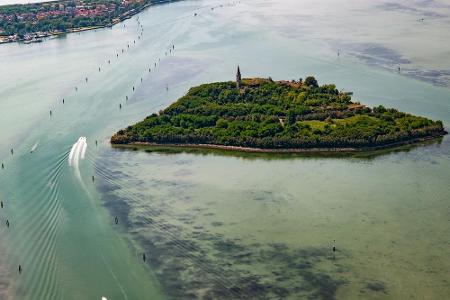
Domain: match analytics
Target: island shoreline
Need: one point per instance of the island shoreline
(391, 146)
(38, 38)
(230, 116)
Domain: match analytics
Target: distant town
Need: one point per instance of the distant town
(32, 22)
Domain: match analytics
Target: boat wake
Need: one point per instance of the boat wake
(34, 147)
(77, 153)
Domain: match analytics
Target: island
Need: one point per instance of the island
(263, 115)
(34, 21)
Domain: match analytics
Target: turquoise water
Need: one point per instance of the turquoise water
(216, 225)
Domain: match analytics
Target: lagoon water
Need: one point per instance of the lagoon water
(213, 224)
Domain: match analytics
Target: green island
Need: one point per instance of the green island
(262, 115)
(31, 22)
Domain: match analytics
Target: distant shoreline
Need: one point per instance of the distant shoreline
(37, 37)
(284, 150)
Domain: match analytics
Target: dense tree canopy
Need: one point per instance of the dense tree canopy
(268, 114)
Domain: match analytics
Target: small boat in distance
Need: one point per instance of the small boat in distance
(34, 147)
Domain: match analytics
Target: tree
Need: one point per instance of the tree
(311, 81)
(291, 117)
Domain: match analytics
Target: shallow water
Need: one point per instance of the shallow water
(214, 225)
(268, 223)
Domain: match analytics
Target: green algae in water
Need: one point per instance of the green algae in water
(238, 227)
